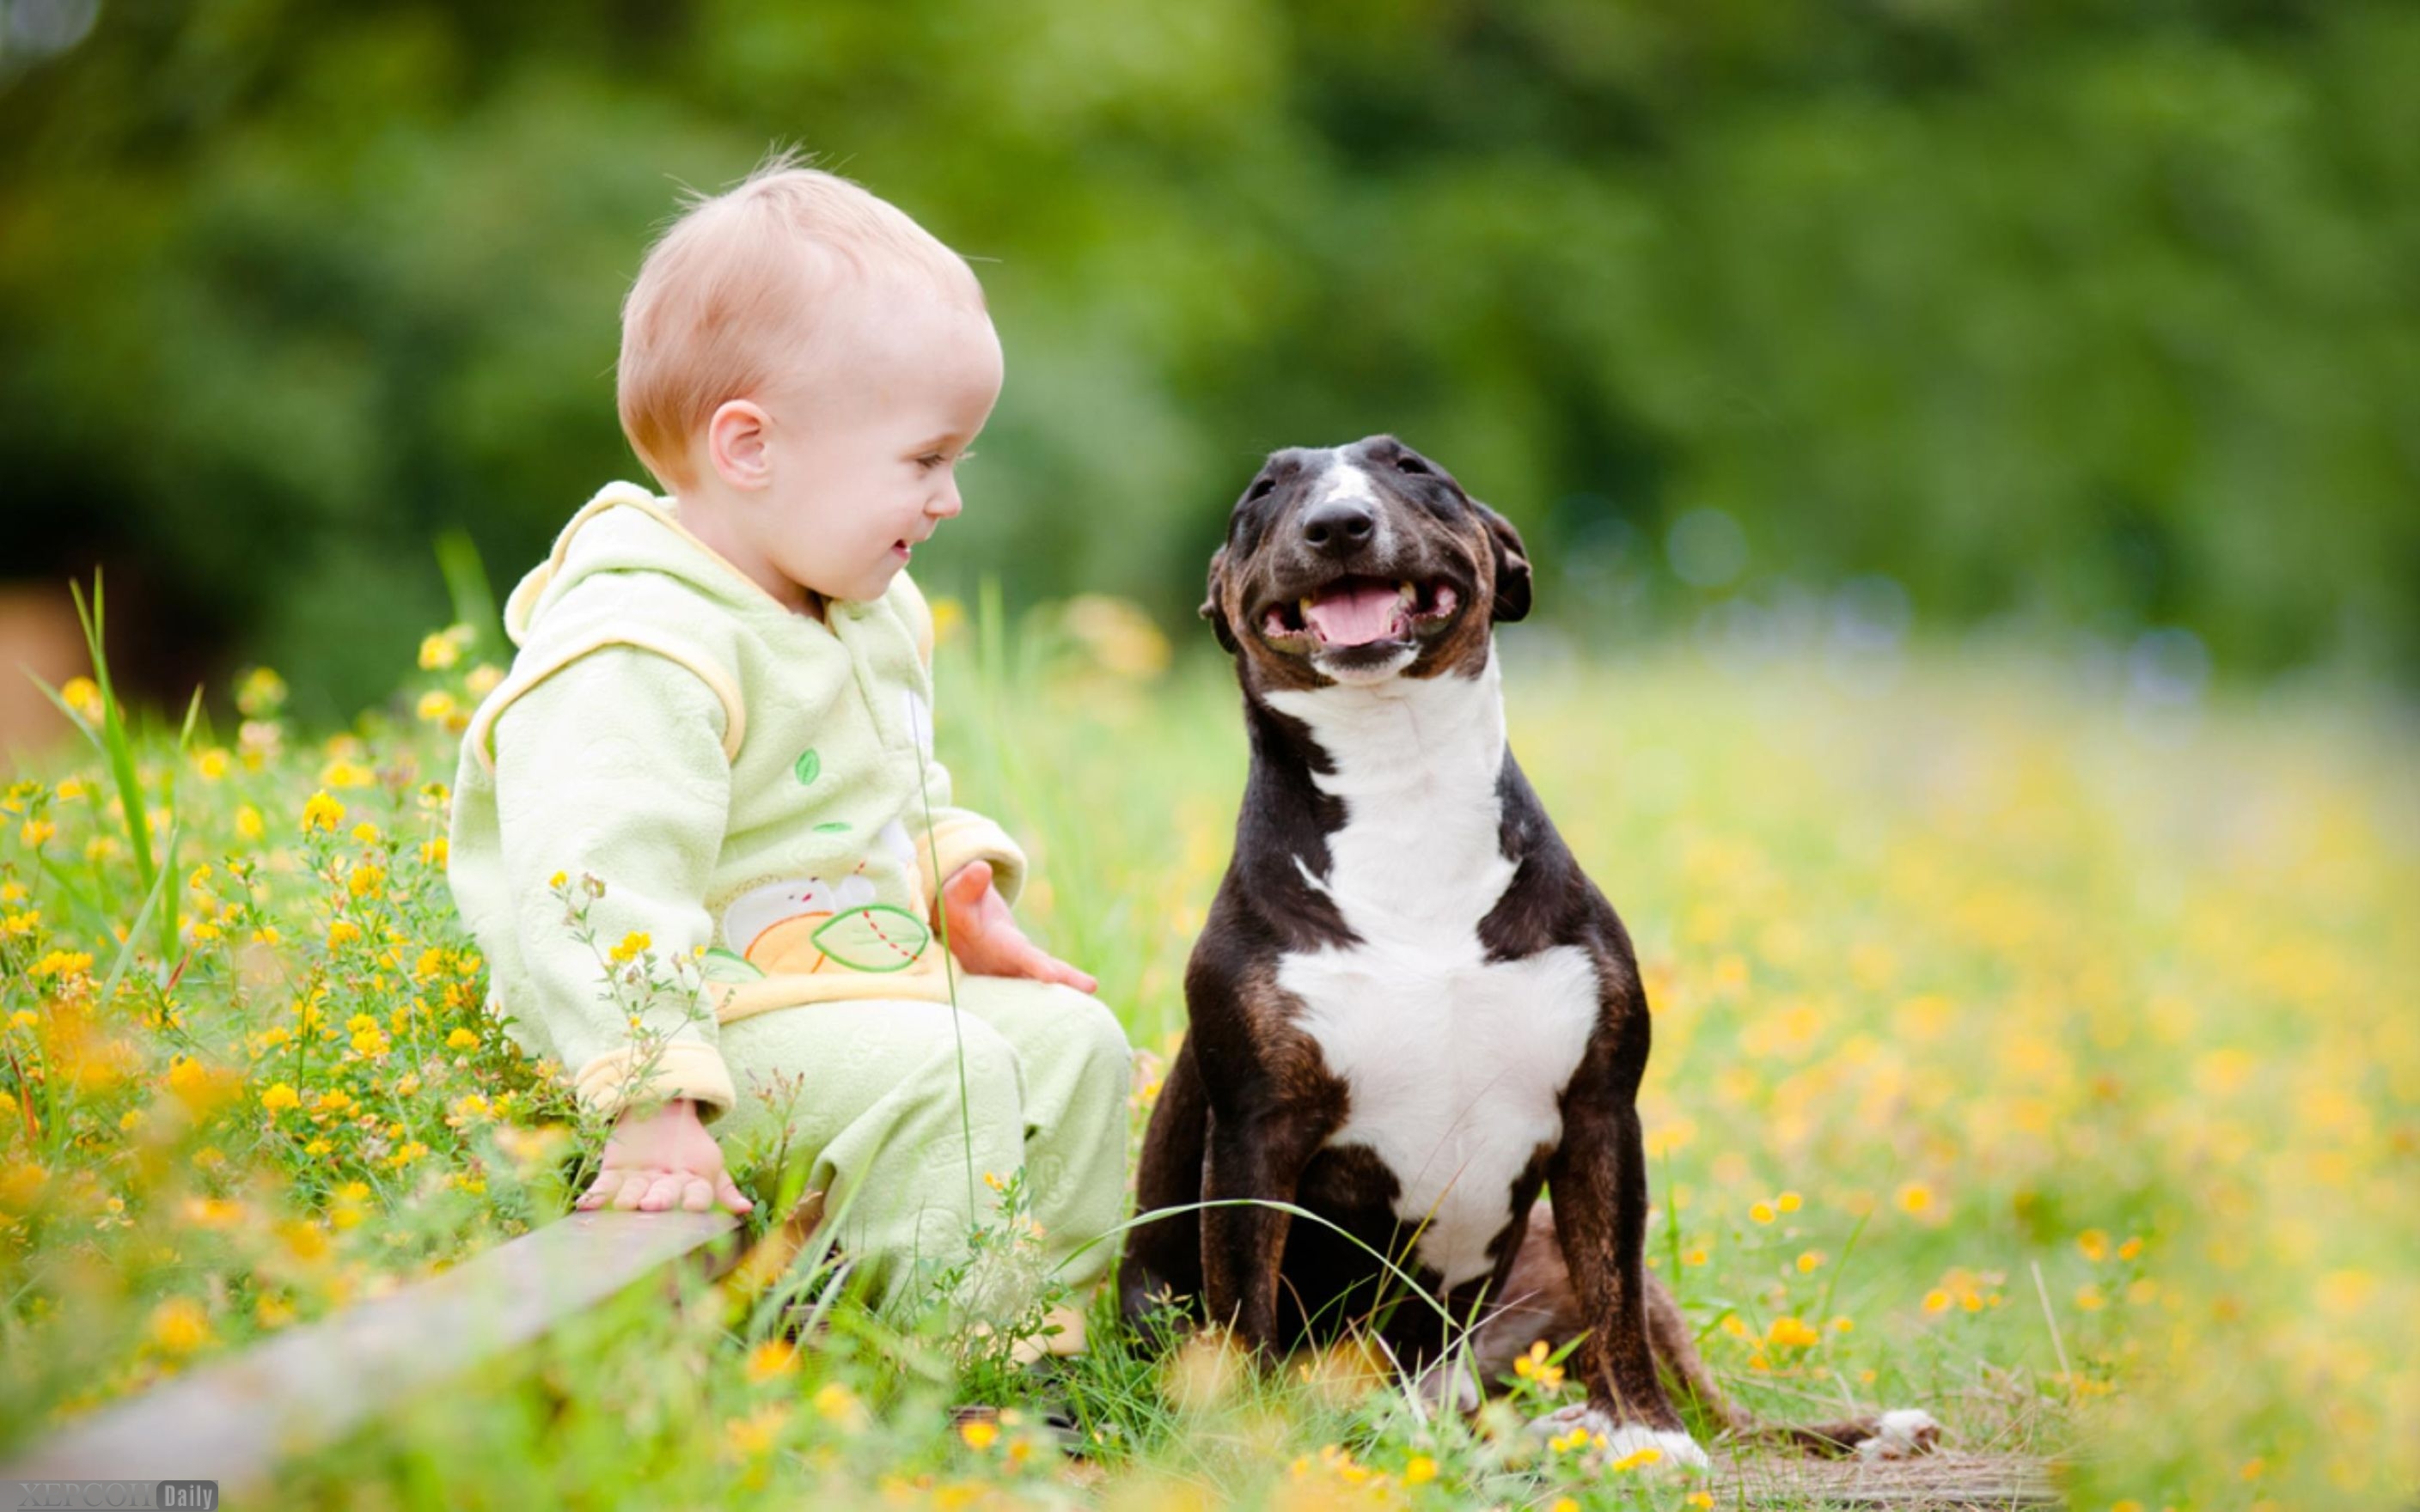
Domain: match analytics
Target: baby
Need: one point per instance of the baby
(713, 751)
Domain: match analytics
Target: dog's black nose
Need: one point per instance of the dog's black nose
(1339, 525)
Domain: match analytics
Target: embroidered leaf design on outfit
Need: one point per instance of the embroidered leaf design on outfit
(833, 826)
(810, 767)
(725, 966)
(875, 937)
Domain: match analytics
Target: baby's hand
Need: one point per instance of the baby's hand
(662, 1161)
(988, 942)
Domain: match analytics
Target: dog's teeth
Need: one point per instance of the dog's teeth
(1407, 592)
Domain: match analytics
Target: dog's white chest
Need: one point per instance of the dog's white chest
(1456, 1065)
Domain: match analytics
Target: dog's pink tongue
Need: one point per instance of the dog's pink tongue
(1354, 614)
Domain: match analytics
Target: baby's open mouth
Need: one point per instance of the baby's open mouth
(1362, 612)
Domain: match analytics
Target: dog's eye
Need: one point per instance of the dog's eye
(1260, 489)
(1413, 465)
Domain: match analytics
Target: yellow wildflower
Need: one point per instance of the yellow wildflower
(1535, 1365)
(1788, 1202)
(462, 1038)
(1420, 1470)
(438, 652)
(633, 942)
(1638, 1458)
(322, 812)
(344, 773)
(978, 1433)
(1915, 1197)
(260, 693)
(248, 822)
(83, 695)
(179, 1325)
(1790, 1333)
(2094, 1245)
(1763, 1212)
(64, 964)
(755, 1434)
(435, 707)
(33, 832)
(279, 1097)
(774, 1357)
(1809, 1261)
(837, 1404)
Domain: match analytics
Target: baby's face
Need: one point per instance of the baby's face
(865, 438)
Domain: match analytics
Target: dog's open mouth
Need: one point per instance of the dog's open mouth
(1362, 612)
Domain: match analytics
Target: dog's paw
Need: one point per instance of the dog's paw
(1675, 1449)
(1902, 1433)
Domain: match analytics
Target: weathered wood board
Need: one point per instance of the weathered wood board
(234, 1420)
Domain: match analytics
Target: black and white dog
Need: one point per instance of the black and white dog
(1410, 1010)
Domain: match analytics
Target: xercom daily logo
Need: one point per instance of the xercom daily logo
(200, 1495)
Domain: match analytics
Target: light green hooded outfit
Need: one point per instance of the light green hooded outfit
(752, 787)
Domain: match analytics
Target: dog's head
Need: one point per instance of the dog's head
(1357, 564)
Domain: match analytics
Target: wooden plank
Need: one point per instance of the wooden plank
(233, 1420)
(1943, 1480)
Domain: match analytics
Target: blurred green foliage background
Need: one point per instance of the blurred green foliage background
(2072, 314)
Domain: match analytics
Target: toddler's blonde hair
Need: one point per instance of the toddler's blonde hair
(726, 297)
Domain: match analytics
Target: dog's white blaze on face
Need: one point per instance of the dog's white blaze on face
(1345, 480)
(1457, 1064)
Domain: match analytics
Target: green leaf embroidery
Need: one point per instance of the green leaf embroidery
(724, 966)
(833, 826)
(878, 938)
(810, 767)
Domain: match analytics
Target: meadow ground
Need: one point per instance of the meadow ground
(2027, 1048)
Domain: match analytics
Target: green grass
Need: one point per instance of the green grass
(1978, 975)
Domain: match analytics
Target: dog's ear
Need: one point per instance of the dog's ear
(1511, 565)
(1214, 607)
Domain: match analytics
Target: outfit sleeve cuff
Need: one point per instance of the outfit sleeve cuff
(686, 1068)
(958, 837)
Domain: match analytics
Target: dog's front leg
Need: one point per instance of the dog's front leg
(1598, 1176)
(1255, 1158)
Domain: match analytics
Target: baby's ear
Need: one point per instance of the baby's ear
(1214, 607)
